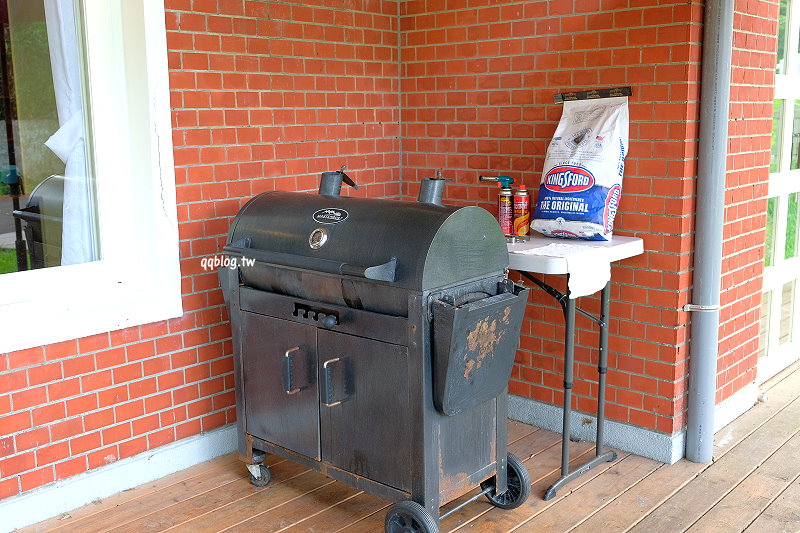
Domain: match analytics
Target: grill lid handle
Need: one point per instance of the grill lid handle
(385, 272)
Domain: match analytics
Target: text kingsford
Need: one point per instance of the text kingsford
(568, 178)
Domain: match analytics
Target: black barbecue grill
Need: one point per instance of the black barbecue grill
(373, 342)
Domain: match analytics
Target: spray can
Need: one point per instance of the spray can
(522, 211)
(505, 210)
(505, 202)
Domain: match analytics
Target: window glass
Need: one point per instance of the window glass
(791, 226)
(788, 296)
(782, 33)
(763, 334)
(769, 245)
(47, 199)
(795, 162)
(777, 128)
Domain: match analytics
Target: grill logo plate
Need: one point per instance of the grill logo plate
(330, 215)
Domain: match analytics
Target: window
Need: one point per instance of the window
(779, 329)
(47, 148)
(131, 274)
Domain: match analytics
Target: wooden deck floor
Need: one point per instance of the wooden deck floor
(753, 485)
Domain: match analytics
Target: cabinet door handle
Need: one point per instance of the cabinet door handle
(288, 371)
(327, 370)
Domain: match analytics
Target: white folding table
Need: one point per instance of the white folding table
(587, 266)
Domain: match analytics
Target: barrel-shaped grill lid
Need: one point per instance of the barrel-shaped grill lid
(434, 246)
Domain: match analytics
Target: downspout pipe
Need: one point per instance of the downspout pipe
(709, 220)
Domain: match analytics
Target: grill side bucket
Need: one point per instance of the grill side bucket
(474, 347)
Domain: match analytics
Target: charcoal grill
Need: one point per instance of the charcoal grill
(373, 342)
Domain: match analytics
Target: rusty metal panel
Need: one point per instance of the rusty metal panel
(473, 348)
(365, 415)
(386, 328)
(467, 445)
(281, 399)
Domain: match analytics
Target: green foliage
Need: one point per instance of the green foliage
(8, 261)
(30, 45)
(791, 226)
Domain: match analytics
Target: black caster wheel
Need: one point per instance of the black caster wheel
(409, 517)
(259, 456)
(263, 479)
(519, 486)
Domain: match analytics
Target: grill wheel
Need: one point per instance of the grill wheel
(519, 485)
(263, 480)
(409, 517)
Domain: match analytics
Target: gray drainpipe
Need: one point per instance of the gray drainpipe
(711, 165)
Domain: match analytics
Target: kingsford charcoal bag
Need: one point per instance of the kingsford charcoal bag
(582, 179)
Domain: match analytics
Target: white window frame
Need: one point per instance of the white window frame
(781, 184)
(137, 280)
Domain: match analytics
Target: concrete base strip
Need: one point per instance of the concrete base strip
(640, 441)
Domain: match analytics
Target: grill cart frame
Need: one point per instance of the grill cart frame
(402, 395)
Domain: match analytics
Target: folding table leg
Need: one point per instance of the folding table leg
(602, 369)
(569, 377)
(569, 361)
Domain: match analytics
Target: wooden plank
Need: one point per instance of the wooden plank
(184, 510)
(779, 396)
(517, 430)
(496, 520)
(69, 521)
(270, 497)
(541, 445)
(586, 500)
(528, 442)
(541, 457)
(158, 500)
(696, 498)
(341, 515)
(782, 516)
(780, 376)
(749, 499)
(533, 444)
(296, 510)
(743, 482)
(650, 492)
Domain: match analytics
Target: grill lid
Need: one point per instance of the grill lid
(411, 245)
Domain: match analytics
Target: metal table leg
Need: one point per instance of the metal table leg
(602, 370)
(568, 304)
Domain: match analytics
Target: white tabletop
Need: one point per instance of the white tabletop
(614, 250)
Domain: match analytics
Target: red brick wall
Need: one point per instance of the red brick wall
(478, 88)
(749, 133)
(265, 96)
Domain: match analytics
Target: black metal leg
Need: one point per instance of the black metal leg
(602, 369)
(569, 360)
(19, 244)
(569, 363)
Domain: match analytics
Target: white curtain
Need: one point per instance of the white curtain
(68, 142)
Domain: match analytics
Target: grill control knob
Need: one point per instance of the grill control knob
(329, 321)
(318, 238)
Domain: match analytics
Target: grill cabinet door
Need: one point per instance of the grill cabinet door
(365, 411)
(279, 361)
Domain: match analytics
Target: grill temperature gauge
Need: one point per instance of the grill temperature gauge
(318, 238)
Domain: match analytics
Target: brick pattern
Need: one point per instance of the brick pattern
(749, 134)
(265, 96)
(478, 85)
